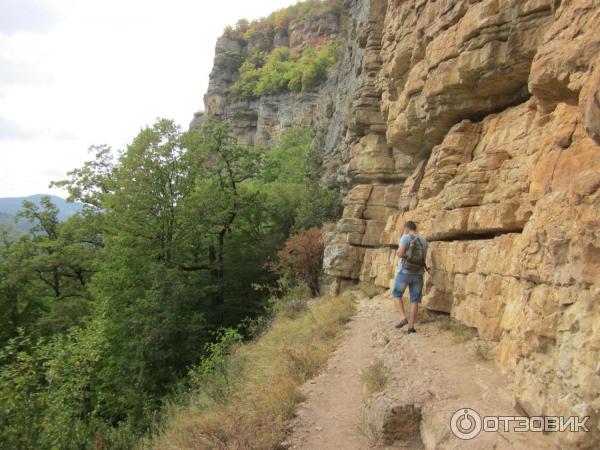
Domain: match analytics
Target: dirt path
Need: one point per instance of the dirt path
(328, 419)
(438, 370)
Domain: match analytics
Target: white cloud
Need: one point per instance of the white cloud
(81, 72)
(15, 71)
(10, 130)
(26, 15)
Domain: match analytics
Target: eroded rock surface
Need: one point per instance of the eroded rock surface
(447, 61)
(490, 143)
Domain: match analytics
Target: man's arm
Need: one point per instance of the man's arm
(402, 246)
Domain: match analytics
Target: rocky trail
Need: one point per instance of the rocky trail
(432, 374)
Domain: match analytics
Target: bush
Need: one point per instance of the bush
(47, 397)
(274, 76)
(300, 259)
(213, 373)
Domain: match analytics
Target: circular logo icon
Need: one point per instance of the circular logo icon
(465, 423)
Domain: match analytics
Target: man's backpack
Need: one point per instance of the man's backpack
(414, 258)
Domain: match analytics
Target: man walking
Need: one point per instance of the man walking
(412, 251)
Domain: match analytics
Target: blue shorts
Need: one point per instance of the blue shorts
(413, 280)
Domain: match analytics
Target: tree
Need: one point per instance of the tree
(45, 274)
(291, 175)
(174, 200)
(221, 167)
(93, 181)
(56, 258)
(151, 299)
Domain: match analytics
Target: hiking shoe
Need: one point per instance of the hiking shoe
(410, 330)
(401, 323)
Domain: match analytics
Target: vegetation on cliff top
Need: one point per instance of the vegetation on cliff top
(283, 71)
(267, 66)
(262, 31)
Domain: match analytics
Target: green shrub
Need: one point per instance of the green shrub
(274, 76)
(213, 373)
(244, 87)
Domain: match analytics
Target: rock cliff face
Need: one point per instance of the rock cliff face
(261, 121)
(480, 121)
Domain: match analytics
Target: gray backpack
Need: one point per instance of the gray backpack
(414, 258)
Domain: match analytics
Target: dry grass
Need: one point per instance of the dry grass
(369, 289)
(376, 376)
(265, 390)
(368, 429)
(461, 332)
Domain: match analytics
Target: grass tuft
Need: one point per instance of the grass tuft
(369, 289)
(264, 383)
(376, 377)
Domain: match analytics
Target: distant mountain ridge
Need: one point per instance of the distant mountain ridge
(9, 206)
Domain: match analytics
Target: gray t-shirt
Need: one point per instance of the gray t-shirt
(405, 241)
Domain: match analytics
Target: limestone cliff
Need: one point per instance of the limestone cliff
(479, 120)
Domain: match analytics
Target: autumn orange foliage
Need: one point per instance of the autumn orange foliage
(301, 258)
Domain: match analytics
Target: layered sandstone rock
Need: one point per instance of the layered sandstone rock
(491, 144)
(447, 61)
(570, 46)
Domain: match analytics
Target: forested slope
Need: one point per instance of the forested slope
(104, 314)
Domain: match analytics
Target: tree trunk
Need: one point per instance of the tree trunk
(215, 258)
(220, 299)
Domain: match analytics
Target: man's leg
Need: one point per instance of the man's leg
(400, 284)
(413, 315)
(415, 289)
(400, 307)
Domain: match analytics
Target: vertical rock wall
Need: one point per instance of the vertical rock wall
(480, 120)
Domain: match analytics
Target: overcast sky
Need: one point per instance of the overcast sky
(79, 72)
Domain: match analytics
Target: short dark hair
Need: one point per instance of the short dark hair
(410, 225)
